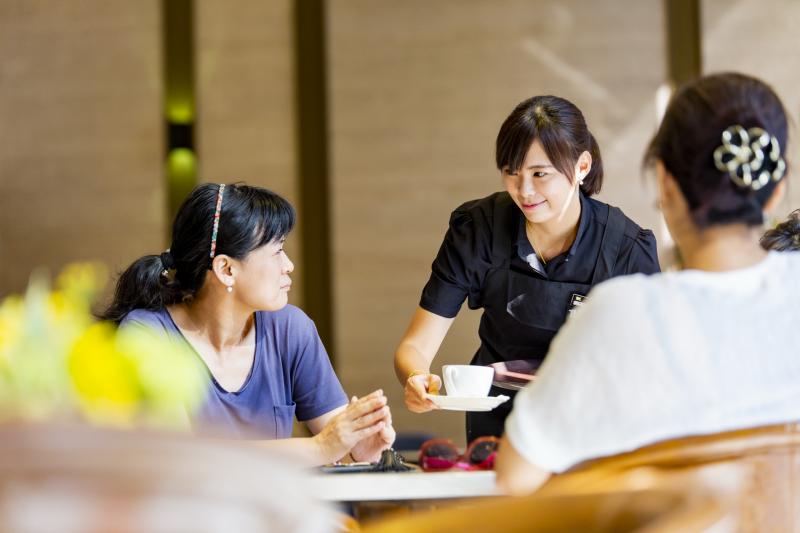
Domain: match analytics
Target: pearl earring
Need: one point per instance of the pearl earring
(229, 288)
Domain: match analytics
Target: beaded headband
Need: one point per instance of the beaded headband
(750, 157)
(216, 220)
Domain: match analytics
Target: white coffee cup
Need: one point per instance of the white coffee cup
(467, 380)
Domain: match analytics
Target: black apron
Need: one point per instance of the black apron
(528, 310)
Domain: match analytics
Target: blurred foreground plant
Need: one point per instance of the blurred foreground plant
(56, 362)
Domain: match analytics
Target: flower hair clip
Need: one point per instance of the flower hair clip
(750, 157)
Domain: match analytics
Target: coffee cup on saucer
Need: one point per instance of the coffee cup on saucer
(467, 381)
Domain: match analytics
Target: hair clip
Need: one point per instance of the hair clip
(167, 262)
(750, 157)
(216, 220)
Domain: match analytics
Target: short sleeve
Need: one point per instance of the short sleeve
(461, 265)
(640, 256)
(315, 388)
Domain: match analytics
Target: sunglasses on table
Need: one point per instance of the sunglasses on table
(442, 454)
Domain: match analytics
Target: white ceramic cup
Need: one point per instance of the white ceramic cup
(467, 380)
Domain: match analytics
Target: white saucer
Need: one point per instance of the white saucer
(462, 403)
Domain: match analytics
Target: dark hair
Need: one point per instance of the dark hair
(692, 129)
(250, 218)
(561, 129)
(785, 237)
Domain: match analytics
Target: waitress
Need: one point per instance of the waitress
(527, 256)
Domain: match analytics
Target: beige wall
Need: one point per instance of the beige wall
(245, 100)
(759, 38)
(418, 90)
(80, 134)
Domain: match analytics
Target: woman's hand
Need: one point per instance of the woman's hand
(361, 419)
(370, 449)
(417, 386)
(414, 356)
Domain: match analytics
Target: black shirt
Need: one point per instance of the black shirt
(465, 257)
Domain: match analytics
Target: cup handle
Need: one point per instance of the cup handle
(447, 374)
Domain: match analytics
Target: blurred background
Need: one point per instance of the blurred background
(375, 118)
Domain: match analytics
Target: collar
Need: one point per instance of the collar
(524, 248)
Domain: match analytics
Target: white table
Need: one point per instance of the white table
(405, 486)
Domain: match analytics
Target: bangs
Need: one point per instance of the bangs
(513, 142)
(515, 139)
(272, 217)
(253, 217)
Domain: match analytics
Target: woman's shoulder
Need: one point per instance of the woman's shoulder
(632, 296)
(478, 216)
(289, 318)
(289, 333)
(632, 230)
(785, 262)
(486, 205)
(147, 317)
(638, 251)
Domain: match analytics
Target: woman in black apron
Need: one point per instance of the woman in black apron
(527, 256)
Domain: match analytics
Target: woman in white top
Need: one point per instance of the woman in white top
(711, 348)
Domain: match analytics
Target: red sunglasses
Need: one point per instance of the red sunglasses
(443, 454)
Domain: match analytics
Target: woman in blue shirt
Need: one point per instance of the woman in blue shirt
(222, 288)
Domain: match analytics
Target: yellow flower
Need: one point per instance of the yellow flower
(104, 377)
(11, 321)
(56, 361)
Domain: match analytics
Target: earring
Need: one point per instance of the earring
(229, 288)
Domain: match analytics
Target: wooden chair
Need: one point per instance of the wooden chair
(641, 500)
(768, 497)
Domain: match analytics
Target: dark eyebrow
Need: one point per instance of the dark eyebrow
(531, 167)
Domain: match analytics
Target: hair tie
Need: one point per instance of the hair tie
(167, 261)
(750, 157)
(217, 212)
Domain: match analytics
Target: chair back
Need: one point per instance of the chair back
(768, 497)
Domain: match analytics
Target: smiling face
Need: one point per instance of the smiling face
(263, 277)
(538, 188)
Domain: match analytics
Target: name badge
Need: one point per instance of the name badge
(575, 301)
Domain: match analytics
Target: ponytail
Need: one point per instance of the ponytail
(143, 285)
(593, 181)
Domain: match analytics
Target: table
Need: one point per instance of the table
(403, 486)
